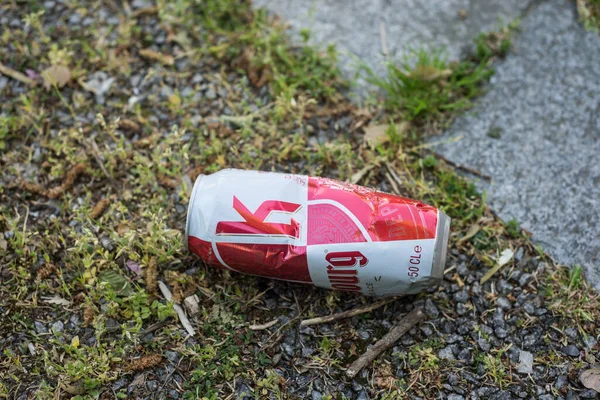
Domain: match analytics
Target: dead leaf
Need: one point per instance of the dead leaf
(98, 83)
(58, 75)
(129, 125)
(473, 230)
(152, 55)
(134, 267)
(144, 11)
(375, 135)
(117, 282)
(591, 379)
(429, 73)
(139, 380)
(122, 229)
(356, 177)
(166, 181)
(76, 389)
(175, 100)
(192, 305)
(505, 257)
(3, 244)
(56, 300)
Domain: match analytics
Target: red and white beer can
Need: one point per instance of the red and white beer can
(320, 231)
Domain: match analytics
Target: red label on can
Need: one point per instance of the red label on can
(307, 229)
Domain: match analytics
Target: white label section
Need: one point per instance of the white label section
(229, 203)
(375, 268)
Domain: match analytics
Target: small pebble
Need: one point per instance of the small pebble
(561, 382)
(453, 338)
(571, 351)
(427, 331)
(357, 387)
(524, 279)
(530, 340)
(464, 355)
(210, 94)
(588, 394)
(107, 243)
(484, 345)
(307, 352)
(461, 309)
(197, 78)
(362, 396)
(112, 325)
(119, 384)
(501, 333)
(172, 356)
(364, 335)
(525, 363)
(58, 327)
(152, 385)
(446, 354)
(430, 309)
(74, 19)
(571, 333)
(589, 341)
(39, 327)
(503, 303)
(141, 4)
(461, 297)
(289, 350)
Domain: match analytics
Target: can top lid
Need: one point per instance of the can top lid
(441, 245)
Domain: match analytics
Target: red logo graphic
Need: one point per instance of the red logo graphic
(342, 270)
(255, 222)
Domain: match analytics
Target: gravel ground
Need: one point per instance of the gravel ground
(66, 330)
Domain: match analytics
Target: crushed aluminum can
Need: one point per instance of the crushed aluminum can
(319, 231)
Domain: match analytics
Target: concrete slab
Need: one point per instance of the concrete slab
(543, 103)
(356, 26)
(544, 108)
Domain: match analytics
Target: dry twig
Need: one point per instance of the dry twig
(99, 208)
(11, 73)
(150, 275)
(347, 314)
(155, 327)
(180, 313)
(151, 55)
(413, 318)
(263, 326)
(145, 11)
(144, 362)
(55, 192)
